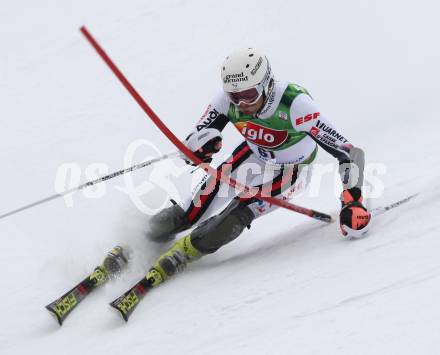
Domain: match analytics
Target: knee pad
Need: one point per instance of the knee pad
(219, 230)
(164, 225)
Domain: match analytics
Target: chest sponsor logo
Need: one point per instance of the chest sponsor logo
(331, 134)
(307, 118)
(262, 136)
(208, 117)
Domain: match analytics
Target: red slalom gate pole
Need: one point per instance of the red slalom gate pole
(170, 135)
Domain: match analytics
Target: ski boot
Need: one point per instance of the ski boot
(115, 260)
(173, 261)
(111, 267)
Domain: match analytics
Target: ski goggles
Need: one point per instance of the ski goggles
(249, 96)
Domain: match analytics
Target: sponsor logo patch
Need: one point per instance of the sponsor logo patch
(257, 66)
(330, 132)
(261, 206)
(307, 118)
(314, 131)
(269, 104)
(207, 118)
(262, 136)
(283, 115)
(234, 78)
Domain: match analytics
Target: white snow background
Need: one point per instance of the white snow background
(289, 285)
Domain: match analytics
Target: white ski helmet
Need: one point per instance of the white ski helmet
(247, 69)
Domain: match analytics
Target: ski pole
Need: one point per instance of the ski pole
(93, 182)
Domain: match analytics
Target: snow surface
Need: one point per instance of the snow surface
(290, 285)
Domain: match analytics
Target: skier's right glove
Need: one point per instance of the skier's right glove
(354, 217)
(204, 144)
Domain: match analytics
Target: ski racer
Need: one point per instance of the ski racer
(282, 128)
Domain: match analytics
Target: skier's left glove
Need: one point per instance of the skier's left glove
(204, 144)
(354, 217)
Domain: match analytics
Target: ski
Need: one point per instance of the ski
(110, 268)
(127, 303)
(64, 305)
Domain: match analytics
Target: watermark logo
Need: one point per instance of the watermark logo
(151, 189)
